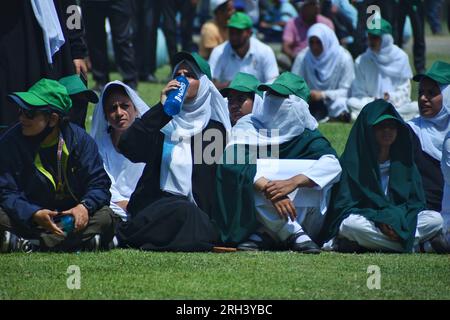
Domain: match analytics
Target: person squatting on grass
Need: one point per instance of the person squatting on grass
(117, 109)
(48, 168)
(379, 203)
(262, 209)
(171, 207)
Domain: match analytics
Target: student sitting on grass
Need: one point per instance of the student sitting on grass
(251, 197)
(242, 95)
(51, 168)
(119, 106)
(329, 71)
(379, 204)
(382, 72)
(171, 206)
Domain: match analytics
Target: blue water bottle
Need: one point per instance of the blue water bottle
(175, 97)
(66, 223)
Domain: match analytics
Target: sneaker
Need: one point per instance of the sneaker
(12, 243)
(93, 244)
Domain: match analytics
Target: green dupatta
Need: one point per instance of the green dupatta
(359, 190)
(235, 216)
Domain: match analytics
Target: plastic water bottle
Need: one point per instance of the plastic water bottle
(175, 97)
(66, 223)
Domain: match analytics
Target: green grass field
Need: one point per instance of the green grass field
(131, 274)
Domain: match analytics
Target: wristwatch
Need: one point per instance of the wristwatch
(88, 206)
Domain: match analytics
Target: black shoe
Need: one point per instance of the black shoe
(303, 247)
(440, 244)
(266, 243)
(343, 117)
(344, 245)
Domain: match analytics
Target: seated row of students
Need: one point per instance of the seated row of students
(340, 88)
(170, 201)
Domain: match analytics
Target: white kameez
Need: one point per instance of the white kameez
(445, 166)
(123, 173)
(310, 203)
(335, 81)
(370, 83)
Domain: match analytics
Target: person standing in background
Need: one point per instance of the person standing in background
(148, 14)
(120, 16)
(187, 9)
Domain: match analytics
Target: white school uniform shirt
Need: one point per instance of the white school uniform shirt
(259, 61)
(123, 173)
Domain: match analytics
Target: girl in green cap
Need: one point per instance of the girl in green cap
(379, 204)
(277, 169)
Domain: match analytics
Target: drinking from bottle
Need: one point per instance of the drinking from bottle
(175, 97)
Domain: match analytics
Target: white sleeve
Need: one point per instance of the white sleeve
(445, 162)
(358, 89)
(270, 66)
(347, 77)
(325, 171)
(402, 94)
(214, 63)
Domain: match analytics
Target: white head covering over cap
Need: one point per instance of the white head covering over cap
(323, 67)
(276, 121)
(392, 62)
(123, 173)
(431, 131)
(176, 164)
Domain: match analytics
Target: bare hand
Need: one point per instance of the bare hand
(278, 189)
(316, 95)
(80, 67)
(389, 232)
(285, 208)
(173, 84)
(386, 96)
(80, 215)
(44, 219)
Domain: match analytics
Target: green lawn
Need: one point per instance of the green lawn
(129, 274)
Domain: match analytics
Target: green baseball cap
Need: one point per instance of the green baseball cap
(439, 72)
(194, 57)
(240, 20)
(243, 82)
(288, 83)
(75, 85)
(45, 94)
(385, 117)
(381, 27)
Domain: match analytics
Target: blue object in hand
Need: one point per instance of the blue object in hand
(175, 97)
(65, 223)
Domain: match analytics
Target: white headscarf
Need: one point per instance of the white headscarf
(123, 173)
(431, 131)
(276, 121)
(392, 62)
(47, 17)
(323, 67)
(176, 164)
(99, 127)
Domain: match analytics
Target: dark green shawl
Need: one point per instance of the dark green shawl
(235, 216)
(359, 190)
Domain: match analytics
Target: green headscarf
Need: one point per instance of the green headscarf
(359, 190)
(235, 216)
